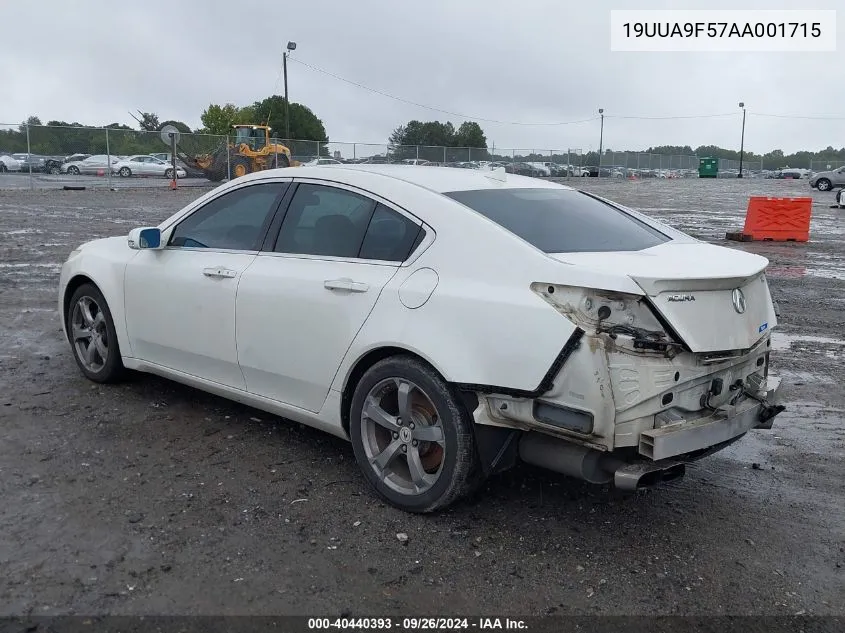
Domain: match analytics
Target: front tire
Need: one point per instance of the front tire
(823, 184)
(125, 172)
(73, 170)
(168, 173)
(90, 328)
(412, 436)
(240, 166)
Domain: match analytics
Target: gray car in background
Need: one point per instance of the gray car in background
(827, 180)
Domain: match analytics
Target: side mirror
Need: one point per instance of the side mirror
(147, 238)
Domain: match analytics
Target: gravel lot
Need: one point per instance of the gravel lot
(153, 498)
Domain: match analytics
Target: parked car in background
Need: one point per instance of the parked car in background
(53, 164)
(524, 169)
(191, 172)
(793, 173)
(321, 161)
(143, 165)
(30, 162)
(415, 161)
(7, 163)
(91, 165)
(827, 180)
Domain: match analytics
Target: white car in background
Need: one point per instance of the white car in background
(321, 161)
(8, 163)
(145, 165)
(448, 322)
(93, 165)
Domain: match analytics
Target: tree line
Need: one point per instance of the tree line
(64, 138)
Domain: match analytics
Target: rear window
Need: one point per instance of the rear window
(561, 220)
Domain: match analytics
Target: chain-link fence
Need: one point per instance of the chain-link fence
(826, 165)
(44, 156)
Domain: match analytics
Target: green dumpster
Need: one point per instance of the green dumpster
(708, 167)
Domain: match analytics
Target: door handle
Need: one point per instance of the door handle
(345, 284)
(219, 271)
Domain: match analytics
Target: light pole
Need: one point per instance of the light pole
(291, 47)
(601, 139)
(742, 139)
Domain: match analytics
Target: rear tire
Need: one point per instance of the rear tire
(3, 168)
(93, 340)
(412, 436)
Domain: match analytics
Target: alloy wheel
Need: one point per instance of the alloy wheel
(403, 437)
(89, 334)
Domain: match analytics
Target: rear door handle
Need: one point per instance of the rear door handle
(219, 271)
(345, 284)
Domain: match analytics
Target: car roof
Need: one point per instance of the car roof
(438, 179)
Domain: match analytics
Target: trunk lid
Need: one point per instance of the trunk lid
(715, 298)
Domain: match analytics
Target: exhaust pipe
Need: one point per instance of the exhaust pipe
(595, 466)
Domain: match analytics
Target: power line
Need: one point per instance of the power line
(432, 108)
(556, 123)
(667, 118)
(799, 116)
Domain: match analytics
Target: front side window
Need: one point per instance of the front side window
(561, 220)
(235, 221)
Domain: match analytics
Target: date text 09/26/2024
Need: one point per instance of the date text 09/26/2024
(416, 624)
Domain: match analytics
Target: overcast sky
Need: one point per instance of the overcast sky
(529, 61)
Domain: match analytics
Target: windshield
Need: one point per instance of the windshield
(561, 220)
(254, 137)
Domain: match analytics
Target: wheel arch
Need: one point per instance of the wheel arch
(372, 356)
(113, 296)
(73, 283)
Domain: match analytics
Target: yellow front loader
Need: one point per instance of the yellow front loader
(251, 151)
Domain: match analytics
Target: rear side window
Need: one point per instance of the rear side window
(334, 222)
(390, 237)
(326, 221)
(561, 220)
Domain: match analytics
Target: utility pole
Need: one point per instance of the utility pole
(601, 139)
(742, 139)
(291, 47)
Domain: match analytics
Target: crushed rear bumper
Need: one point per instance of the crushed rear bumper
(726, 423)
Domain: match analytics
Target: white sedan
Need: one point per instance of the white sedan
(145, 165)
(448, 322)
(96, 164)
(9, 163)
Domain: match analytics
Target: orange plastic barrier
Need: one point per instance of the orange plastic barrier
(778, 219)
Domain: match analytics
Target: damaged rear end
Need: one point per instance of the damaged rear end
(657, 378)
(667, 357)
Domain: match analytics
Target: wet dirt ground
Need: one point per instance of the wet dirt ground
(153, 498)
